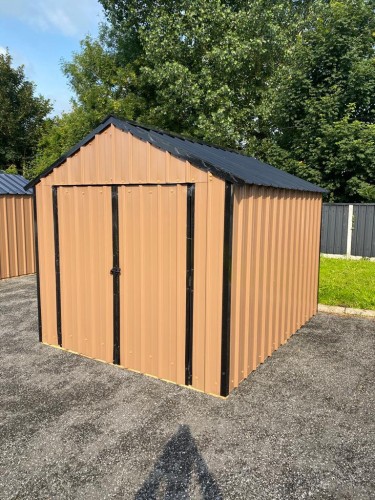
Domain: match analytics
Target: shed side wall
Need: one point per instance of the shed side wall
(17, 254)
(116, 157)
(276, 236)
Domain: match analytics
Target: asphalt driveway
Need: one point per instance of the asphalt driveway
(301, 426)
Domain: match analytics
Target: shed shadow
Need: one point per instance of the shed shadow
(177, 469)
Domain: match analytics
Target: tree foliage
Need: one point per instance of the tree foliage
(101, 82)
(322, 100)
(22, 116)
(199, 64)
(289, 81)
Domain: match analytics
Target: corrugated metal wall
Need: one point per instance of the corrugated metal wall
(363, 238)
(334, 228)
(85, 243)
(17, 256)
(116, 157)
(275, 272)
(152, 229)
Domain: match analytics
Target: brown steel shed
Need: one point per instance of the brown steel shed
(172, 257)
(16, 227)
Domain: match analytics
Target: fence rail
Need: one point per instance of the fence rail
(348, 229)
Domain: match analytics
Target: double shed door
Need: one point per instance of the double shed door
(124, 275)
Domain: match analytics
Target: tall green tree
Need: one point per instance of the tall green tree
(23, 115)
(102, 80)
(204, 65)
(208, 66)
(227, 47)
(320, 110)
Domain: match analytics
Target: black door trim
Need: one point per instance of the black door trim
(57, 263)
(36, 246)
(227, 277)
(116, 276)
(189, 283)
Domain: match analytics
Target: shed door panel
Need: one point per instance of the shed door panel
(85, 244)
(152, 237)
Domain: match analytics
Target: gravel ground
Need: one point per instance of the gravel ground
(301, 426)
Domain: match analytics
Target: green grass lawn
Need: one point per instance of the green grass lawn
(348, 283)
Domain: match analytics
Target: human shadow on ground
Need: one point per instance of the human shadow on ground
(178, 467)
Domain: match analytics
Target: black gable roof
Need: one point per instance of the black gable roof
(223, 163)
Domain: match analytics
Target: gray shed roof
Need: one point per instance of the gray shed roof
(229, 165)
(13, 184)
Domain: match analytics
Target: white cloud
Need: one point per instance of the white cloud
(3, 51)
(72, 18)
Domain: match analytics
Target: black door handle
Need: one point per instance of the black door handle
(115, 271)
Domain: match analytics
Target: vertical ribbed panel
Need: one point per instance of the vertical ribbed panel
(115, 156)
(17, 255)
(47, 277)
(275, 271)
(334, 228)
(152, 228)
(85, 240)
(208, 278)
(363, 238)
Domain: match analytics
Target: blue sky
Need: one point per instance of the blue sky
(39, 33)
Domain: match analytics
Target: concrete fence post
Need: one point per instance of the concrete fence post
(350, 231)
